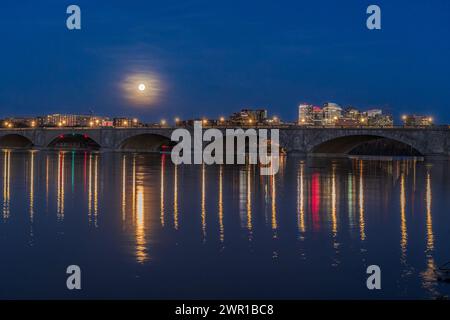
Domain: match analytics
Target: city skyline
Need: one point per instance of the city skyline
(200, 62)
(329, 114)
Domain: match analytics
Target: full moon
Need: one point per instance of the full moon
(141, 89)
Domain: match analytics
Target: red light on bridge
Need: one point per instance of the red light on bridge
(61, 136)
(85, 136)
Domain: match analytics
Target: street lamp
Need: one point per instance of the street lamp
(222, 119)
(163, 122)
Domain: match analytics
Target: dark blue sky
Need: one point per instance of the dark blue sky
(214, 57)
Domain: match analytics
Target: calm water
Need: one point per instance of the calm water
(140, 227)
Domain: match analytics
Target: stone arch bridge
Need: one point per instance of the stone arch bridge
(426, 141)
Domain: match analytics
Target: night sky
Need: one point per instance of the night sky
(214, 57)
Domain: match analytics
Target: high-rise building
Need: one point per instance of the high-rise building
(317, 116)
(352, 113)
(373, 113)
(332, 112)
(305, 114)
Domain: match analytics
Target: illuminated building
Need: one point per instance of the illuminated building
(317, 116)
(19, 122)
(73, 120)
(380, 120)
(351, 113)
(126, 122)
(305, 114)
(331, 113)
(249, 116)
(417, 121)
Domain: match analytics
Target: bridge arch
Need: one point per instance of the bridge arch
(15, 141)
(146, 142)
(73, 141)
(370, 144)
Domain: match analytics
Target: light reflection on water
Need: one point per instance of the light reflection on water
(165, 231)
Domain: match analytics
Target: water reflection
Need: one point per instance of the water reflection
(301, 199)
(6, 183)
(220, 204)
(124, 187)
(429, 275)
(92, 190)
(203, 203)
(403, 227)
(362, 222)
(61, 187)
(314, 218)
(273, 200)
(175, 198)
(162, 214)
(249, 202)
(141, 249)
(333, 202)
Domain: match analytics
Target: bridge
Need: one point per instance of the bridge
(433, 141)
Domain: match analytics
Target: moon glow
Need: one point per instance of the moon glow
(142, 89)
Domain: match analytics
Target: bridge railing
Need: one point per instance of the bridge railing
(255, 126)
